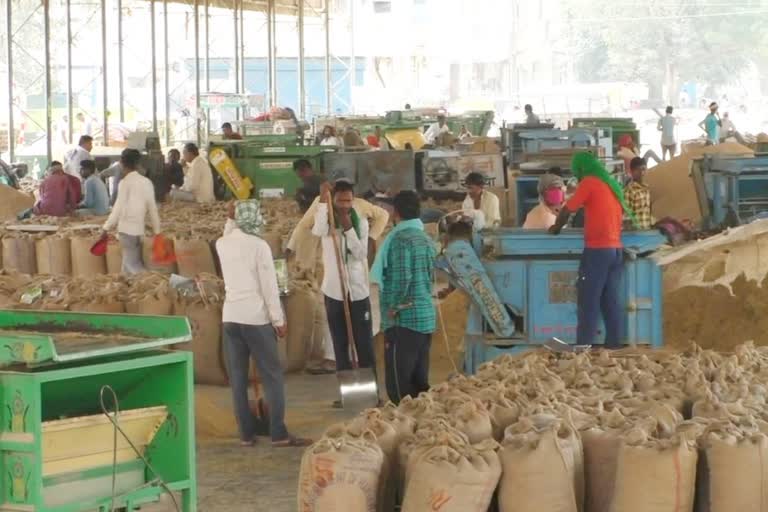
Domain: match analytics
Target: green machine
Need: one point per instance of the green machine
(95, 414)
(619, 125)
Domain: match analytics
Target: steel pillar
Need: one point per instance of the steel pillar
(167, 78)
(9, 49)
(70, 97)
(197, 69)
(120, 77)
(328, 86)
(104, 82)
(271, 61)
(237, 53)
(153, 44)
(48, 81)
(301, 68)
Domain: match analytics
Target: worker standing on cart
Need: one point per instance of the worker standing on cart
(602, 261)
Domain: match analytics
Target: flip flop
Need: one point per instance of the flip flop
(248, 444)
(292, 442)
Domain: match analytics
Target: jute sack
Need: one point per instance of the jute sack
(654, 475)
(453, 479)
(542, 467)
(85, 264)
(98, 307)
(340, 474)
(151, 266)
(149, 294)
(53, 255)
(194, 257)
(275, 242)
(469, 416)
(601, 451)
(732, 472)
(114, 257)
(205, 320)
(300, 308)
(19, 254)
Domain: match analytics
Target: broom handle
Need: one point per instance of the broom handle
(342, 282)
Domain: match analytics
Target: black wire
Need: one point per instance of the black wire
(113, 418)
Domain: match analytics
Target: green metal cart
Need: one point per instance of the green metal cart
(63, 377)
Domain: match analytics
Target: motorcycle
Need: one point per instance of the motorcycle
(11, 174)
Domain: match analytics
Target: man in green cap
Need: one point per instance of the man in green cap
(602, 261)
(253, 319)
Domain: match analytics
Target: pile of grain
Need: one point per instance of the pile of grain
(632, 430)
(12, 202)
(672, 189)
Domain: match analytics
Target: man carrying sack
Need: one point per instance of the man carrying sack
(352, 233)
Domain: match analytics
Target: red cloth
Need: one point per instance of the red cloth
(55, 196)
(625, 141)
(603, 213)
(373, 141)
(76, 189)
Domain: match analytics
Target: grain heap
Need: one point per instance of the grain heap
(632, 430)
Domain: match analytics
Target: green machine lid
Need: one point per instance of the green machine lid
(38, 337)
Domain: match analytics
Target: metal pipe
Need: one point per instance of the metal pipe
(352, 60)
(207, 56)
(104, 83)
(302, 68)
(271, 52)
(328, 91)
(197, 70)
(153, 44)
(11, 131)
(242, 46)
(167, 78)
(237, 55)
(70, 98)
(120, 78)
(48, 81)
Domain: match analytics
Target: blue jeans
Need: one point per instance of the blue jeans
(598, 292)
(260, 343)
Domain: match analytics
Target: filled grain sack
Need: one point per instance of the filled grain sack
(453, 478)
(300, 309)
(470, 416)
(732, 471)
(53, 255)
(147, 250)
(194, 257)
(149, 294)
(114, 257)
(601, 452)
(340, 474)
(114, 307)
(19, 254)
(654, 475)
(543, 467)
(84, 263)
(275, 242)
(205, 319)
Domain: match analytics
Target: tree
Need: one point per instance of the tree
(666, 42)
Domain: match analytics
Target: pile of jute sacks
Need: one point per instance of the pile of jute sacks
(627, 431)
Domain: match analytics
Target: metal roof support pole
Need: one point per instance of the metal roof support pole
(166, 76)
(153, 43)
(120, 71)
(104, 83)
(328, 86)
(271, 60)
(70, 96)
(352, 73)
(237, 54)
(207, 56)
(242, 48)
(48, 81)
(197, 70)
(9, 49)
(302, 68)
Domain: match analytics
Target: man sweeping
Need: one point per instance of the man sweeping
(352, 233)
(602, 260)
(253, 318)
(404, 269)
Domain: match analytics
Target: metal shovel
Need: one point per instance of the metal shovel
(358, 387)
(558, 345)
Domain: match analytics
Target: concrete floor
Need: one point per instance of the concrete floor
(236, 479)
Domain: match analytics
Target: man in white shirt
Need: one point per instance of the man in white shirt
(198, 180)
(135, 202)
(530, 117)
(352, 235)
(484, 205)
(77, 154)
(436, 129)
(253, 319)
(667, 126)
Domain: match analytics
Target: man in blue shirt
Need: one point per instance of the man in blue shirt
(96, 201)
(711, 125)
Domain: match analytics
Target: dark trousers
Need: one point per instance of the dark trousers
(598, 292)
(259, 342)
(406, 357)
(362, 330)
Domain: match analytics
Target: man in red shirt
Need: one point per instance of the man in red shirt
(602, 261)
(55, 193)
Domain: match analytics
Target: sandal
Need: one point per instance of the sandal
(248, 444)
(292, 442)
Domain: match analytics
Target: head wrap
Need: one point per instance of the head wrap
(626, 141)
(248, 216)
(585, 164)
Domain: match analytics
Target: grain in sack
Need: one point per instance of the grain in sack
(19, 254)
(53, 255)
(340, 474)
(453, 478)
(194, 257)
(85, 264)
(543, 469)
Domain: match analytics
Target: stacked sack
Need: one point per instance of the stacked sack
(632, 430)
